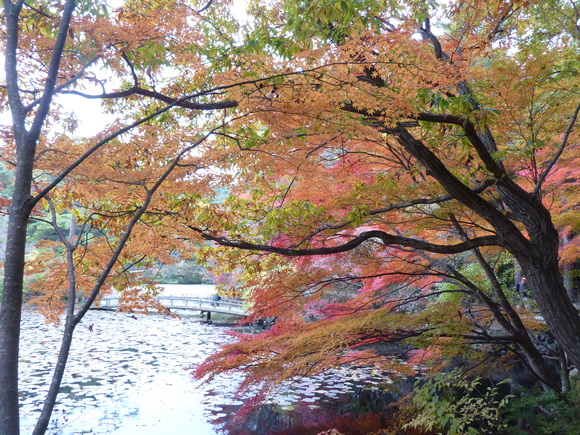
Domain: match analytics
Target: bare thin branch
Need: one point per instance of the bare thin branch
(64, 85)
(561, 148)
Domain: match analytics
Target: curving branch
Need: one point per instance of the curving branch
(38, 11)
(177, 102)
(437, 169)
(426, 33)
(207, 6)
(131, 68)
(387, 239)
(512, 193)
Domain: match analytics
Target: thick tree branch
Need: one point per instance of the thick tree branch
(12, 12)
(53, 70)
(508, 233)
(178, 102)
(387, 239)
(427, 34)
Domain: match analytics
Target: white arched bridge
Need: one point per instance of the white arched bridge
(187, 303)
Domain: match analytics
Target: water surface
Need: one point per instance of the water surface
(127, 375)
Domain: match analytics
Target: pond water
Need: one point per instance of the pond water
(127, 374)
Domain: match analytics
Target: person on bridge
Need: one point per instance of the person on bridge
(215, 297)
(522, 288)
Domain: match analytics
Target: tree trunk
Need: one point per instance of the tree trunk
(9, 342)
(21, 205)
(50, 399)
(545, 282)
(10, 313)
(11, 305)
(537, 255)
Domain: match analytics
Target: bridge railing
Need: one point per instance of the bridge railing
(186, 302)
(194, 302)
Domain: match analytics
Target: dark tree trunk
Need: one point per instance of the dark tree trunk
(537, 254)
(10, 338)
(21, 205)
(11, 306)
(540, 265)
(545, 282)
(50, 400)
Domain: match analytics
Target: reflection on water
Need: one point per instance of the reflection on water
(126, 376)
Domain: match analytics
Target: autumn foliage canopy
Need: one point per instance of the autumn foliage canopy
(391, 168)
(391, 181)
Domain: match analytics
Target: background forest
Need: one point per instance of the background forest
(395, 182)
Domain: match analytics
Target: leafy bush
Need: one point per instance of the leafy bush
(544, 412)
(454, 404)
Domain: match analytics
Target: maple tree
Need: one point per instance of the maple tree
(388, 176)
(389, 181)
(148, 63)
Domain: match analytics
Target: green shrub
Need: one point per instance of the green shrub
(453, 404)
(544, 412)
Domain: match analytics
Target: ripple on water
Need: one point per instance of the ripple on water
(127, 377)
